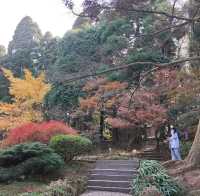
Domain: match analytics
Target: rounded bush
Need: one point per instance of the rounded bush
(28, 159)
(69, 146)
(37, 132)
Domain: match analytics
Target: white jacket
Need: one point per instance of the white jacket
(174, 140)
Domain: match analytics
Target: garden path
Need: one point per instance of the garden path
(112, 177)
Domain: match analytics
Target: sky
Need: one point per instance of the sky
(51, 15)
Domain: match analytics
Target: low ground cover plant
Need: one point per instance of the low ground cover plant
(152, 173)
(66, 187)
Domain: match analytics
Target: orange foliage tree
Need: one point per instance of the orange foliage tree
(102, 99)
(42, 132)
(28, 93)
(101, 93)
(145, 110)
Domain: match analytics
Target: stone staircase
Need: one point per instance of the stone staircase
(113, 175)
(150, 151)
(151, 154)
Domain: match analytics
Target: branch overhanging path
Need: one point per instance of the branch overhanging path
(156, 12)
(156, 66)
(171, 16)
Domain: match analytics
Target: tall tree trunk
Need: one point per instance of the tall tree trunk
(102, 123)
(193, 157)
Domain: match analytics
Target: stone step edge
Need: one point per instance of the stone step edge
(102, 187)
(115, 163)
(123, 181)
(118, 162)
(111, 175)
(117, 170)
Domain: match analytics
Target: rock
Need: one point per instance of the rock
(134, 152)
(151, 191)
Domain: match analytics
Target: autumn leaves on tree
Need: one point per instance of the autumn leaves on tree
(27, 98)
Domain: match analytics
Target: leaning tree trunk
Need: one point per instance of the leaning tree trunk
(193, 157)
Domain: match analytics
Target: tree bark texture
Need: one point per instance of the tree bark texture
(193, 157)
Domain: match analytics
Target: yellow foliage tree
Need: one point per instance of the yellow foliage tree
(28, 94)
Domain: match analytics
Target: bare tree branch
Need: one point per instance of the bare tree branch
(156, 68)
(156, 12)
(163, 30)
(171, 16)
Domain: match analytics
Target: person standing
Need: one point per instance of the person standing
(174, 144)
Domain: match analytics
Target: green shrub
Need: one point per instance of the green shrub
(69, 146)
(151, 173)
(185, 148)
(27, 159)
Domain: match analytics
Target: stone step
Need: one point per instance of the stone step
(112, 177)
(129, 161)
(109, 183)
(113, 172)
(115, 166)
(110, 189)
(151, 156)
(151, 152)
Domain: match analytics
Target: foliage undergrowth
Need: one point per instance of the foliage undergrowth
(151, 173)
(66, 187)
(185, 148)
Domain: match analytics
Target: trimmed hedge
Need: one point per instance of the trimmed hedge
(69, 146)
(28, 159)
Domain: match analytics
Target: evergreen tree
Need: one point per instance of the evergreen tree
(27, 36)
(24, 49)
(48, 51)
